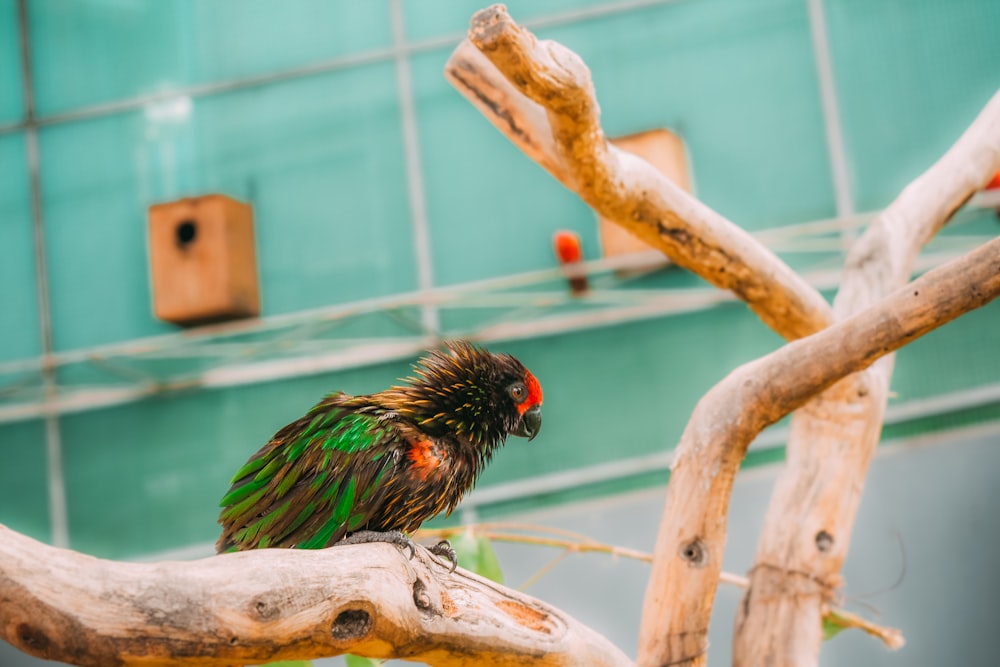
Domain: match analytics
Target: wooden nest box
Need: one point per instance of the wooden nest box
(203, 265)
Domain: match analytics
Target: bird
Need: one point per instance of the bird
(373, 468)
(569, 252)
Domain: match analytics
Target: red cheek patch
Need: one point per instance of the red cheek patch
(534, 393)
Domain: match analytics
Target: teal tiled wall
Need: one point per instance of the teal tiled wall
(12, 99)
(322, 158)
(332, 215)
(911, 76)
(480, 227)
(24, 504)
(19, 312)
(89, 52)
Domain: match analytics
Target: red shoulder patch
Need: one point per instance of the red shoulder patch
(425, 457)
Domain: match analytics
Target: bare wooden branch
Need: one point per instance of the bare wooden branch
(276, 604)
(691, 540)
(807, 531)
(540, 95)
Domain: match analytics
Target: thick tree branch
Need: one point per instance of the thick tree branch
(276, 604)
(691, 541)
(541, 96)
(807, 531)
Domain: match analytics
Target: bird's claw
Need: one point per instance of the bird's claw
(388, 536)
(444, 549)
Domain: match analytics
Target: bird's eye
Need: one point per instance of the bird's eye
(518, 392)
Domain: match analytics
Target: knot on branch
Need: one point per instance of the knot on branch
(351, 625)
(824, 541)
(266, 606)
(421, 598)
(32, 638)
(695, 552)
(269, 605)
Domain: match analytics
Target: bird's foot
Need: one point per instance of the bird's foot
(444, 550)
(389, 536)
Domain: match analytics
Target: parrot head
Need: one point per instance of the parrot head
(526, 394)
(471, 391)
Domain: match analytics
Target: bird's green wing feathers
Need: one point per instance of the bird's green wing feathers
(311, 484)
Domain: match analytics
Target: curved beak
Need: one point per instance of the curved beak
(531, 423)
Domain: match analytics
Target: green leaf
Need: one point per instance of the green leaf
(832, 627)
(466, 548)
(476, 553)
(358, 661)
(489, 566)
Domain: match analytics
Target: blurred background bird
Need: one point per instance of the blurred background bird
(374, 467)
(569, 252)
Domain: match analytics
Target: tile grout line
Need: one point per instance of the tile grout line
(429, 315)
(58, 515)
(843, 197)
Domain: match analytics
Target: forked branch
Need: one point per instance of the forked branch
(807, 531)
(540, 94)
(692, 535)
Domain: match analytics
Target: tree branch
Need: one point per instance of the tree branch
(691, 540)
(807, 531)
(276, 604)
(540, 95)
